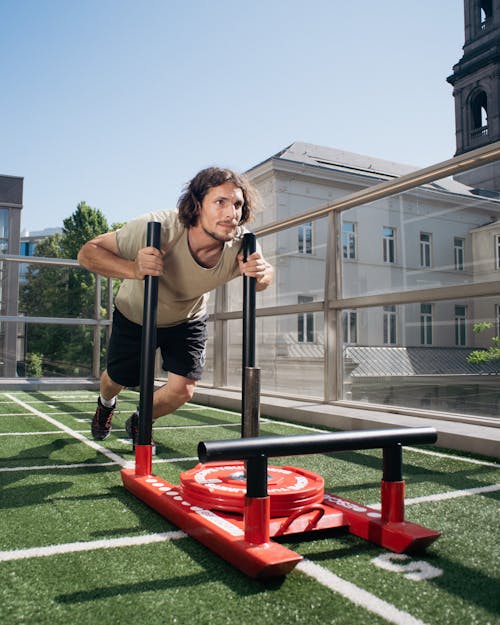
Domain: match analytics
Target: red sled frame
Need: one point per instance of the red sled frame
(245, 540)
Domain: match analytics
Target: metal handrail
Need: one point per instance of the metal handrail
(470, 160)
(40, 260)
(68, 321)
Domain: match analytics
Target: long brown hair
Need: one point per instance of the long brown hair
(189, 204)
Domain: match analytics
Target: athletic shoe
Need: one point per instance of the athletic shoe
(101, 423)
(132, 429)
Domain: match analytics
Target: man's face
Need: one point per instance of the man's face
(220, 212)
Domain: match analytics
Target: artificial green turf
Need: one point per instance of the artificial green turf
(177, 583)
(183, 582)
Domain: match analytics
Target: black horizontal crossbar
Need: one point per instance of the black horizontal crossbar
(273, 446)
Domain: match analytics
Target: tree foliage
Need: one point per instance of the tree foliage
(84, 224)
(479, 356)
(55, 291)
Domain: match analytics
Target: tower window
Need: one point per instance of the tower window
(479, 114)
(486, 11)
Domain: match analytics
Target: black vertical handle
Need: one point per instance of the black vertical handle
(249, 247)
(250, 381)
(148, 343)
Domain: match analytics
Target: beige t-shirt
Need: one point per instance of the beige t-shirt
(184, 287)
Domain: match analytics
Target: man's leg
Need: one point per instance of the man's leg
(177, 391)
(106, 402)
(123, 363)
(183, 351)
(107, 388)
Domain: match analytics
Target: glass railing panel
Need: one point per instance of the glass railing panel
(419, 356)
(289, 352)
(55, 291)
(48, 350)
(298, 256)
(439, 234)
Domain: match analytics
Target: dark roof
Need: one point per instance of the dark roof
(411, 361)
(11, 190)
(361, 164)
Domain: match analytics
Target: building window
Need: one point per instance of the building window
(479, 115)
(497, 251)
(459, 253)
(349, 240)
(390, 324)
(389, 244)
(305, 238)
(425, 249)
(486, 13)
(426, 324)
(305, 323)
(460, 325)
(350, 323)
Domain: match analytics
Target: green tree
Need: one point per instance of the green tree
(51, 291)
(479, 356)
(84, 224)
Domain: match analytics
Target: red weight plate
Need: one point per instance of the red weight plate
(222, 486)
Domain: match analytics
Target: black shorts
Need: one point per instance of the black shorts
(183, 349)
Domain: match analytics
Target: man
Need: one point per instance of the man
(200, 250)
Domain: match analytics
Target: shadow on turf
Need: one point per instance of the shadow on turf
(214, 569)
(108, 592)
(18, 497)
(468, 584)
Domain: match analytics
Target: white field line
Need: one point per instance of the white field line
(451, 494)
(158, 427)
(83, 439)
(30, 433)
(37, 552)
(291, 425)
(89, 465)
(441, 454)
(47, 402)
(197, 427)
(193, 407)
(58, 467)
(110, 543)
(357, 595)
(466, 492)
(429, 452)
(323, 576)
(333, 582)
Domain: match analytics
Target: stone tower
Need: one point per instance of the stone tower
(476, 89)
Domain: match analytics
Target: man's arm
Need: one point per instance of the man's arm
(101, 255)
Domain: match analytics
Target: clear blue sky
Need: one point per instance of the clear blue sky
(120, 102)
